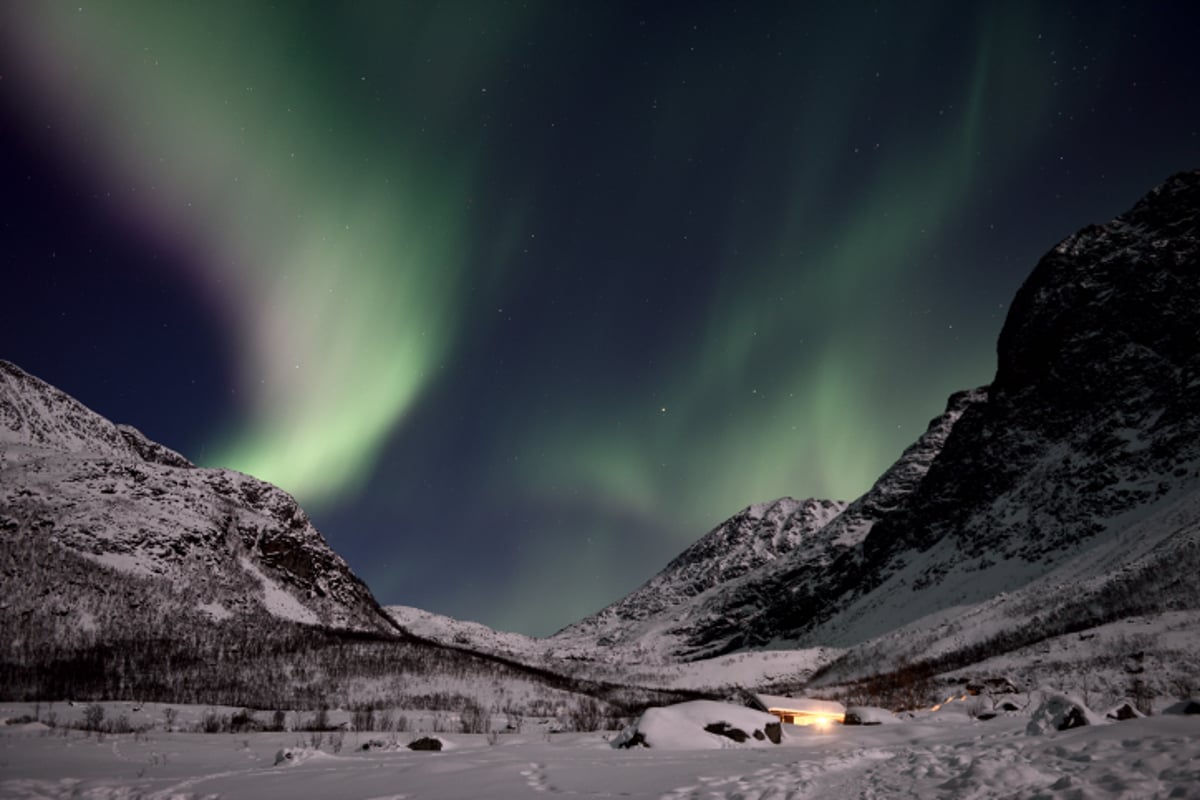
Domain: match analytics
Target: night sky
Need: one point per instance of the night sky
(519, 299)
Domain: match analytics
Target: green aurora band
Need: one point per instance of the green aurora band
(811, 429)
(331, 237)
(323, 168)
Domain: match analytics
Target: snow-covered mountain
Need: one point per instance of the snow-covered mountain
(225, 543)
(1064, 495)
(130, 572)
(758, 535)
(763, 546)
(1062, 498)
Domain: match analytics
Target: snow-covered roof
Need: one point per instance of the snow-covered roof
(801, 705)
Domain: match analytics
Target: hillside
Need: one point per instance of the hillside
(1061, 497)
(131, 573)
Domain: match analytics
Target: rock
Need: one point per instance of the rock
(729, 732)
(700, 724)
(1060, 712)
(1188, 707)
(1124, 711)
(428, 743)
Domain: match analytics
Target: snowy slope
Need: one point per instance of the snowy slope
(225, 542)
(758, 536)
(949, 757)
(660, 620)
(1060, 497)
(582, 658)
(474, 635)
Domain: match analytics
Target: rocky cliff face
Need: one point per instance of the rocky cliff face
(758, 535)
(1074, 470)
(1094, 409)
(219, 542)
(702, 600)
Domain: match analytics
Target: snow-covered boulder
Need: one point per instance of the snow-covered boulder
(868, 715)
(1060, 712)
(291, 756)
(701, 725)
(1184, 707)
(1123, 711)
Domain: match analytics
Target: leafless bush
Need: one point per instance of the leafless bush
(475, 718)
(317, 722)
(1142, 696)
(1182, 687)
(586, 715)
(212, 722)
(363, 719)
(244, 720)
(977, 706)
(93, 717)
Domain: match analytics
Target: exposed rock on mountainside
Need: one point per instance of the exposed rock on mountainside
(226, 543)
(130, 573)
(1045, 502)
(756, 536)
(663, 617)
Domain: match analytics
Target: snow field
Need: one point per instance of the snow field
(950, 757)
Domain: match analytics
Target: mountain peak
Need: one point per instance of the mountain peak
(225, 542)
(1021, 490)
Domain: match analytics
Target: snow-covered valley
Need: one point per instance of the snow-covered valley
(946, 755)
(1043, 532)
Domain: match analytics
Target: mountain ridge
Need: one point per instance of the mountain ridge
(1092, 417)
(110, 494)
(1063, 496)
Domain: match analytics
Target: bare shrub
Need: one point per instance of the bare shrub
(243, 721)
(475, 718)
(364, 719)
(93, 717)
(212, 722)
(1142, 696)
(317, 722)
(978, 705)
(586, 716)
(1182, 687)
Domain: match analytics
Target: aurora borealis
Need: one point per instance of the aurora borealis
(520, 299)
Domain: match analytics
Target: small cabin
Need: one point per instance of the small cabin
(799, 710)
